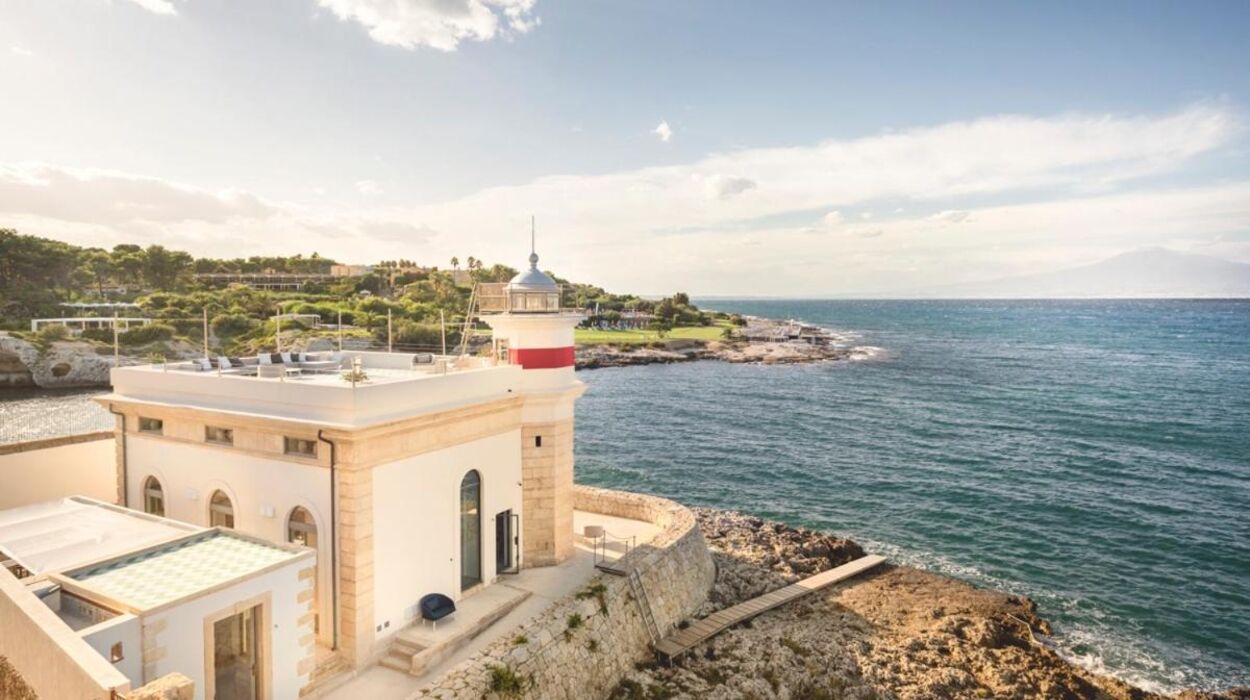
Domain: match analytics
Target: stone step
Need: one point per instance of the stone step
(399, 662)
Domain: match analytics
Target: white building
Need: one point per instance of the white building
(424, 475)
(152, 596)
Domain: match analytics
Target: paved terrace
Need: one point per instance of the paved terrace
(396, 386)
(536, 588)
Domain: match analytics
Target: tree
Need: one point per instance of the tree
(661, 326)
(100, 265)
(163, 267)
(472, 264)
(455, 262)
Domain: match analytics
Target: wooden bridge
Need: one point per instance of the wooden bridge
(682, 641)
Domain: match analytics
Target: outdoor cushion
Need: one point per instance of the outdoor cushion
(205, 364)
(264, 359)
(286, 358)
(436, 606)
(277, 359)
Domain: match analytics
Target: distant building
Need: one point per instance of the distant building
(350, 270)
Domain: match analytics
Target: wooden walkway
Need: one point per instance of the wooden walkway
(681, 641)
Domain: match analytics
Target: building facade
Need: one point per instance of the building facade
(407, 477)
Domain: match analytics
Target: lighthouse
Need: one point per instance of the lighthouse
(531, 329)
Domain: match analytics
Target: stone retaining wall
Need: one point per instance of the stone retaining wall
(582, 645)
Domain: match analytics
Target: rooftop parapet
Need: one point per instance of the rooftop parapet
(362, 388)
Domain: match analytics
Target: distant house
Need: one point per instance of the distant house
(350, 270)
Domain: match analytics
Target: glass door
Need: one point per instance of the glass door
(236, 657)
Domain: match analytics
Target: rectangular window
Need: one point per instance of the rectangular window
(151, 425)
(299, 447)
(220, 436)
(538, 441)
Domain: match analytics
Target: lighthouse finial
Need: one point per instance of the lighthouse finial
(533, 251)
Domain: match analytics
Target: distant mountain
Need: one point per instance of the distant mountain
(1149, 272)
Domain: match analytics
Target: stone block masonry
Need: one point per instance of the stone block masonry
(547, 492)
(582, 645)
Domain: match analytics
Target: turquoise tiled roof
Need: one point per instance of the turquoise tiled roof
(179, 569)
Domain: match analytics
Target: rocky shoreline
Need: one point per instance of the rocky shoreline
(761, 341)
(894, 633)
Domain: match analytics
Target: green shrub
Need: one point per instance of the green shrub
(151, 333)
(48, 335)
(232, 324)
(505, 682)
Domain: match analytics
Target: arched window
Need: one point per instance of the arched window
(470, 530)
(301, 529)
(153, 497)
(220, 511)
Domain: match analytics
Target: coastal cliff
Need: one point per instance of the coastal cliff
(897, 632)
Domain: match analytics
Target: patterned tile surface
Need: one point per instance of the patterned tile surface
(157, 577)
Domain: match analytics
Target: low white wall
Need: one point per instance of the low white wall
(50, 657)
(46, 470)
(416, 511)
(125, 629)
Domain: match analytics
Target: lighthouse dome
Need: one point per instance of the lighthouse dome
(533, 279)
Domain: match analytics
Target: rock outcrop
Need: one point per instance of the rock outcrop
(897, 633)
(63, 364)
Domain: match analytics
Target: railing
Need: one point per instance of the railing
(623, 545)
(496, 297)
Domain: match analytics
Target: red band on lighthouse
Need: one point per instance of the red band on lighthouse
(541, 358)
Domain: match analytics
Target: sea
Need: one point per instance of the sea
(1092, 455)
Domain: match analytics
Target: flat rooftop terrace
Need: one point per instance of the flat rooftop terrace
(61, 534)
(394, 386)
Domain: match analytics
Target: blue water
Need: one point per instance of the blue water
(1094, 455)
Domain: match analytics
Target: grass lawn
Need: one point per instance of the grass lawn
(590, 336)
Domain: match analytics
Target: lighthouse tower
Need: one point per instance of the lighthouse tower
(533, 331)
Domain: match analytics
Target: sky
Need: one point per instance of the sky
(717, 147)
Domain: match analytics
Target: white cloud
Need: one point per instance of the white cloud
(106, 197)
(439, 24)
(664, 131)
(368, 188)
(160, 7)
(1017, 187)
(953, 216)
(726, 186)
(21, 51)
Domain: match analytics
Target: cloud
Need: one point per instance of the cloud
(953, 216)
(159, 7)
(1016, 186)
(21, 51)
(664, 131)
(111, 198)
(397, 231)
(726, 186)
(368, 188)
(439, 24)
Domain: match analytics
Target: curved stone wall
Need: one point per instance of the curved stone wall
(582, 645)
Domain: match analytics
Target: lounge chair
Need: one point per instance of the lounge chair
(435, 607)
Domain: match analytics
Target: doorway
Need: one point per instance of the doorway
(237, 657)
(505, 540)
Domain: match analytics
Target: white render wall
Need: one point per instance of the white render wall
(190, 473)
(183, 633)
(416, 511)
(46, 474)
(124, 628)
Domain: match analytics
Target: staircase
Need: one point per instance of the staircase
(644, 605)
(419, 648)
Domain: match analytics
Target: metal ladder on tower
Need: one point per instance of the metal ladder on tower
(644, 605)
